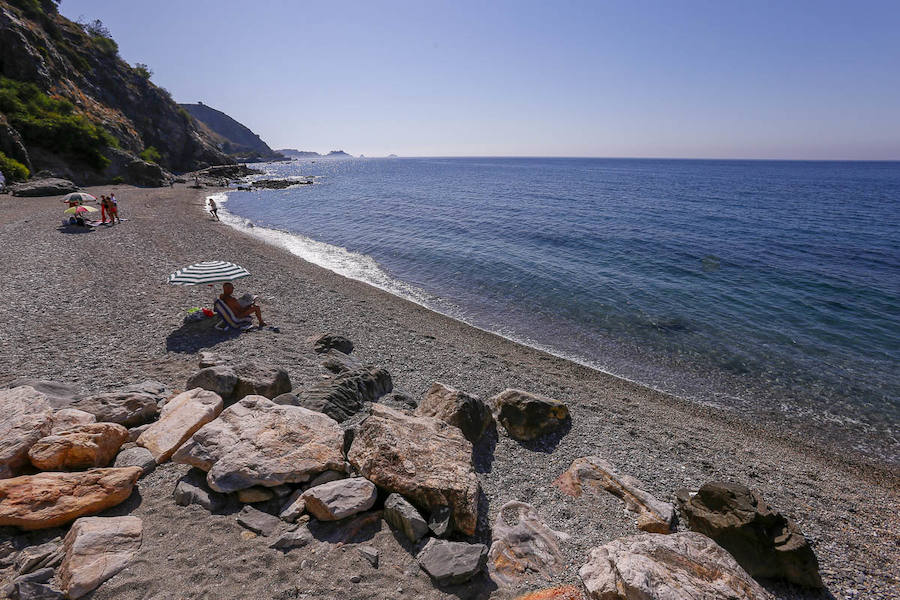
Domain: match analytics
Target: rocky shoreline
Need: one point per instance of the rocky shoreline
(424, 458)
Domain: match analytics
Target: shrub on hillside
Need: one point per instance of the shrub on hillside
(52, 123)
(12, 169)
(151, 154)
(143, 70)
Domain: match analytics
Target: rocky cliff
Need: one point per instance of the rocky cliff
(71, 106)
(233, 138)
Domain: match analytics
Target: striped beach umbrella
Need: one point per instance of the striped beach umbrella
(78, 198)
(214, 271)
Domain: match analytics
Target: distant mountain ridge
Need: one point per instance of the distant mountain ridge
(234, 138)
(294, 153)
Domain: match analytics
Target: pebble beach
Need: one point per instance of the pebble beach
(92, 308)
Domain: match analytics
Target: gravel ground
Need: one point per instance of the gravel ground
(94, 309)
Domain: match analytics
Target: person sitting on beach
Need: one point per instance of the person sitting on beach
(213, 209)
(243, 307)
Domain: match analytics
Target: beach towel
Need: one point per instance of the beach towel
(229, 320)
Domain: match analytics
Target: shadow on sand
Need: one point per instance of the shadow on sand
(193, 337)
(74, 229)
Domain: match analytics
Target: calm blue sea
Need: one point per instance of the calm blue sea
(761, 286)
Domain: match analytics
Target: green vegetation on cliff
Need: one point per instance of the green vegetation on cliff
(52, 123)
(12, 169)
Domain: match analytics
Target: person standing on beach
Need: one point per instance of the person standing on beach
(103, 205)
(114, 208)
(213, 209)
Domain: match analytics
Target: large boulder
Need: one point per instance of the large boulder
(58, 394)
(425, 459)
(258, 442)
(463, 410)
(218, 378)
(146, 174)
(652, 566)
(51, 186)
(180, 418)
(344, 395)
(79, 447)
(527, 416)
(246, 379)
(593, 473)
(340, 499)
(260, 380)
(26, 418)
(763, 541)
(96, 548)
(522, 544)
(52, 499)
(450, 563)
(124, 407)
(562, 592)
(66, 418)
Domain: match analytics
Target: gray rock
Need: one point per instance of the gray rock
(763, 541)
(59, 395)
(403, 516)
(233, 383)
(344, 395)
(292, 539)
(450, 563)
(287, 399)
(463, 410)
(123, 407)
(370, 553)
(260, 380)
(192, 489)
(39, 576)
(258, 522)
(29, 590)
(340, 499)
(36, 557)
(136, 457)
(328, 341)
(400, 400)
(50, 186)
(338, 362)
(527, 416)
(220, 379)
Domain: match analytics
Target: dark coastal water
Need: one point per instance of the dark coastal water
(766, 287)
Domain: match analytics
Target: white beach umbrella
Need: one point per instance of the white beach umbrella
(214, 271)
(78, 197)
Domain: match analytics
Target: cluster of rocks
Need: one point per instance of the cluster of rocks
(337, 452)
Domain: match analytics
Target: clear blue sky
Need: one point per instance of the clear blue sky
(741, 79)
